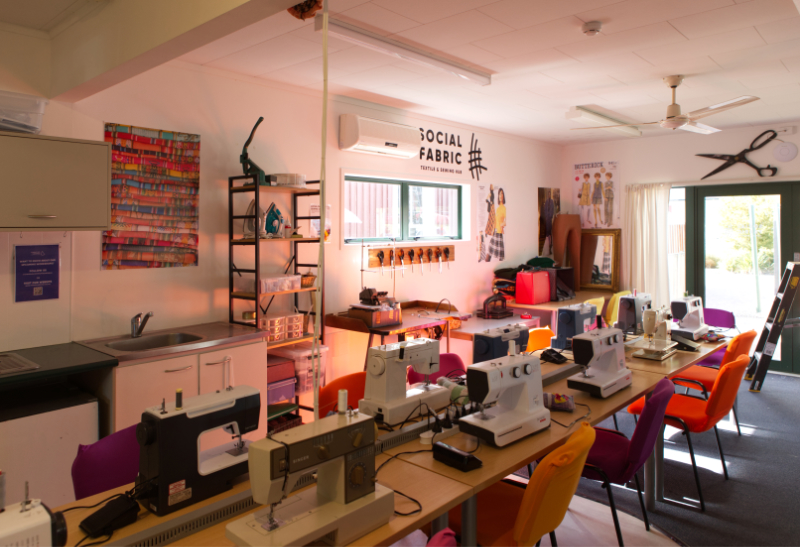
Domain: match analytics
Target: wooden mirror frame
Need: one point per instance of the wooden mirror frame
(616, 234)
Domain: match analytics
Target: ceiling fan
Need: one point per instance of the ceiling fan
(687, 122)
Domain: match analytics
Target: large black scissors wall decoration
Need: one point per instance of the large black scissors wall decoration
(741, 157)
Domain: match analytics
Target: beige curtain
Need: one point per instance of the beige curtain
(645, 237)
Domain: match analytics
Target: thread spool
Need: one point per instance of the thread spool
(178, 399)
(342, 401)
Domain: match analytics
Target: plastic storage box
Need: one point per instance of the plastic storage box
(280, 283)
(21, 113)
(278, 392)
(533, 287)
(301, 354)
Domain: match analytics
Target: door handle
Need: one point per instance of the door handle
(179, 369)
(41, 216)
(226, 360)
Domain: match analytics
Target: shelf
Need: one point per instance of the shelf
(252, 296)
(278, 410)
(251, 241)
(282, 189)
(304, 338)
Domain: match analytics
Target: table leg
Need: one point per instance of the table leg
(439, 523)
(659, 457)
(650, 479)
(369, 345)
(469, 522)
(447, 331)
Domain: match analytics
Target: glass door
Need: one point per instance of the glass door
(739, 254)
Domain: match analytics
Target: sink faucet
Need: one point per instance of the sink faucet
(137, 324)
(449, 305)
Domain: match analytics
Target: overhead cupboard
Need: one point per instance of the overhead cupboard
(50, 183)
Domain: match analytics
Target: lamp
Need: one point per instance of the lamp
(593, 119)
(387, 46)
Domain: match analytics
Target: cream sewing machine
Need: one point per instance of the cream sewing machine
(602, 354)
(385, 394)
(689, 312)
(656, 343)
(346, 502)
(514, 383)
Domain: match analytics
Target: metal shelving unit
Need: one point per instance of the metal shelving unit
(237, 185)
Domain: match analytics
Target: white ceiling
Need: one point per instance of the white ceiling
(541, 62)
(38, 14)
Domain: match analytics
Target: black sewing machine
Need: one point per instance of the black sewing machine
(373, 297)
(494, 307)
(173, 472)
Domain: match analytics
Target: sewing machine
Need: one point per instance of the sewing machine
(385, 394)
(30, 523)
(602, 354)
(493, 343)
(171, 466)
(346, 502)
(572, 321)
(514, 383)
(629, 316)
(656, 343)
(689, 312)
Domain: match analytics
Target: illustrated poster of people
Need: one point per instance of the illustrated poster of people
(491, 217)
(596, 185)
(549, 206)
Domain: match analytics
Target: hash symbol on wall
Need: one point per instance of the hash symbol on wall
(475, 159)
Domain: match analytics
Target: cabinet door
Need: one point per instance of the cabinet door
(140, 386)
(248, 365)
(50, 183)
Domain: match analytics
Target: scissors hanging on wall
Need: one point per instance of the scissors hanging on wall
(741, 157)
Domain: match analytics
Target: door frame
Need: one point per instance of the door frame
(695, 240)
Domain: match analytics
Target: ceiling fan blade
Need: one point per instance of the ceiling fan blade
(607, 126)
(721, 107)
(701, 128)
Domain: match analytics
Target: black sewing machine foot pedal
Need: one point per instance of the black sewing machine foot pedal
(452, 456)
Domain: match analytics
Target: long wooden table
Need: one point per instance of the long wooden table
(549, 310)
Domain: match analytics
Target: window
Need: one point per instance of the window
(405, 211)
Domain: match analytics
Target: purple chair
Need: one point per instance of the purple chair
(111, 462)
(615, 459)
(721, 319)
(448, 362)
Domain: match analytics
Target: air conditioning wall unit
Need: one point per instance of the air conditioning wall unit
(371, 136)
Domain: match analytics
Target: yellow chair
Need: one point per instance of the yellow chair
(612, 310)
(598, 302)
(542, 505)
(539, 338)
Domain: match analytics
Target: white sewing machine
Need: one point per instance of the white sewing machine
(602, 354)
(346, 502)
(385, 394)
(656, 343)
(689, 312)
(514, 383)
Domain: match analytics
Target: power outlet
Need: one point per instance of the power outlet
(787, 130)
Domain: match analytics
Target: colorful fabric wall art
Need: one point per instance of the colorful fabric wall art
(155, 185)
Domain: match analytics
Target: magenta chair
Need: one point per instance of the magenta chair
(111, 462)
(615, 459)
(448, 362)
(721, 319)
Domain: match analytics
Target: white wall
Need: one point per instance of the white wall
(222, 110)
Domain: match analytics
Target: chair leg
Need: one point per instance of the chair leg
(553, 541)
(635, 419)
(616, 425)
(530, 471)
(539, 543)
(694, 468)
(607, 486)
(736, 420)
(641, 502)
(721, 455)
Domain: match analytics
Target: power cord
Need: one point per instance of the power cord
(80, 543)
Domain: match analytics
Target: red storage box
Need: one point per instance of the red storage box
(533, 288)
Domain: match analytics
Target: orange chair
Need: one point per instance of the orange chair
(329, 395)
(703, 378)
(539, 338)
(542, 505)
(695, 415)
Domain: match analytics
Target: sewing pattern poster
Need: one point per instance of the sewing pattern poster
(490, 216)
(597, 189)
(549, 207)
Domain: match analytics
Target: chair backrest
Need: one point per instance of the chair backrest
(722, 319)
(648, 427)
(740, 345)
(111, 462)
(329, 395)
(448, 362)
(726, 386)
(539, 338)
(598, 302)
(612, 309)
(552, 486)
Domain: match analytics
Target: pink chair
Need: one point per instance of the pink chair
(111, 462)
(721, 319)
(448, 362)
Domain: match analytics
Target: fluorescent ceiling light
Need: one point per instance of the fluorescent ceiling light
(387, 46)
(593, 119)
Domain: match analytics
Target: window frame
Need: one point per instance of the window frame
(405, 197)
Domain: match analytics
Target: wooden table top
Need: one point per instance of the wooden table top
(501, 462)
(580, 297)
(674, 365)
(435, 492)
(475, 325)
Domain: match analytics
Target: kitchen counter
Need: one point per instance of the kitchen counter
(57, 361)
(210, 335)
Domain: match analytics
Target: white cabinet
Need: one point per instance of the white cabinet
(49, 183)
